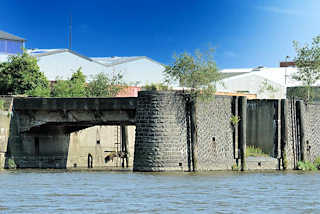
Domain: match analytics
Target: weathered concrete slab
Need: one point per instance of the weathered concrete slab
(87, 104)
(72, 113)
(262, 163)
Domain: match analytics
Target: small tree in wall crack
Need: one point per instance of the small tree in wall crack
(308, 62)
(197, 72)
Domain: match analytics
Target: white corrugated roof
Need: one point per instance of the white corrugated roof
(236, 70)
(41, 51)
(280, 75)
(114, 60)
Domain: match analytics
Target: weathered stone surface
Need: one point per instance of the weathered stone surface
(5, 118)
(312, 131)
(262, 163)
(161, 132)
(214, 130)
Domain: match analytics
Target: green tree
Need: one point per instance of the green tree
(104, 85)
(308, 62)
(198, 72)
(61, 88)
(21, 75)
(74, 87)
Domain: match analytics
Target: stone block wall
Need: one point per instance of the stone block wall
(161, 132)
(312, 131)
(214, 149)
(292, 138)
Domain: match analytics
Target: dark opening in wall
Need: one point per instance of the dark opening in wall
(98, 141)
(107, 159)
(90, 161)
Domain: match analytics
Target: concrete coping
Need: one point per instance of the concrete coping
(97, 104)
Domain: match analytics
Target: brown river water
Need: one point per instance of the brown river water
(55, 191)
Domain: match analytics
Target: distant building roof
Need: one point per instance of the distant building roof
(5, 35)
(116, 60)
(48, 52)
(280, 75)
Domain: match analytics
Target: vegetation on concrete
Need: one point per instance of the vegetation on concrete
(306, 166)
(308, 62)
(11, 164)
(316, 162)
(197, 72)
(21, 75)
(235, 167)
(235, 119)
(309, 166)
(1, 105)
(252, 151)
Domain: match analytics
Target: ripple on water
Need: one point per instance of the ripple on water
(101, 192)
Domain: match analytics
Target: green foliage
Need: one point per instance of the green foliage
(11, 164)
(61, 88)
(20, 75)
(104, 85)
(74, 87)
(306, 166)
(235, 119)
(308, 62)
(39, 91)
(156, 87)
(316, 162)
(235, 167)
(1, 105)
(255, 152)
(198, 72)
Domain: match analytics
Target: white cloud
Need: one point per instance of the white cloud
(278, 10)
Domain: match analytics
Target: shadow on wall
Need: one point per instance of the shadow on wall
(262, 125)
(40, 147)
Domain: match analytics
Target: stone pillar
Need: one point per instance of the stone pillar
(300, 115)
(161, 132)
(284, 133)
(243, 131)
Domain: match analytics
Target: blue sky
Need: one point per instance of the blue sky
(245, 33)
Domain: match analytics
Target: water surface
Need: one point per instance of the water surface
(35, 191)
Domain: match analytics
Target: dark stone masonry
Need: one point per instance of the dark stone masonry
(158, 131)
(164, 133)
(161, 132)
